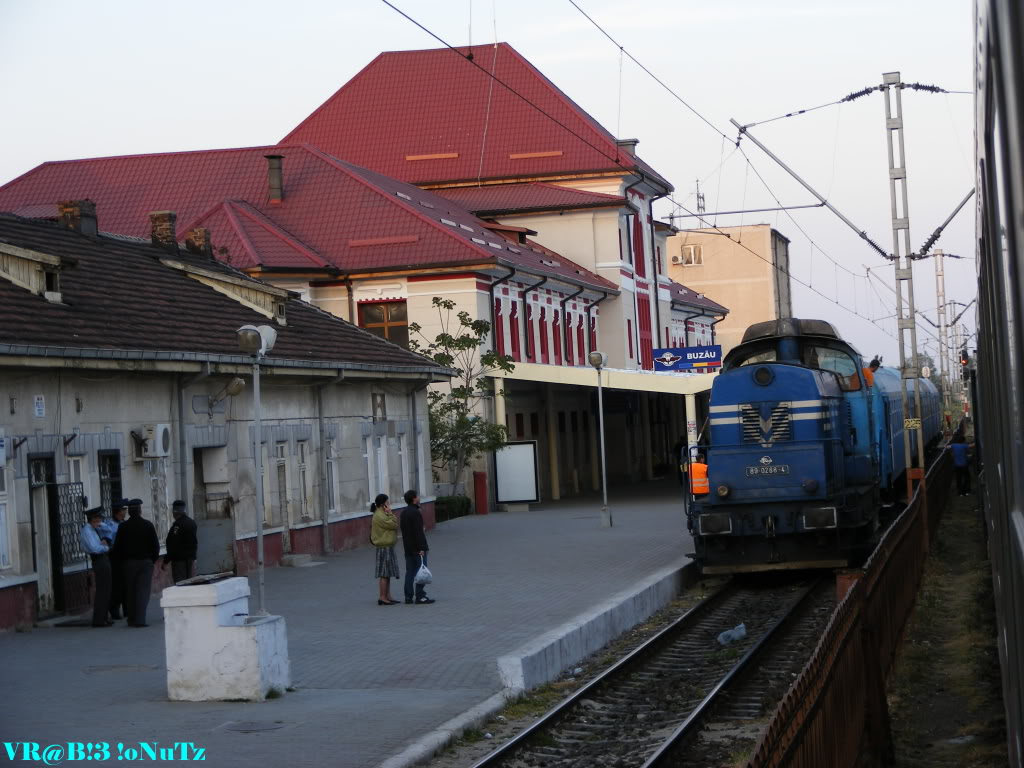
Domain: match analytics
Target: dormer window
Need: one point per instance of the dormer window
(279, 312)
(51, 289)
(34, 271)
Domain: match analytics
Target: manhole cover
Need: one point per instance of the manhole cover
(252, 726)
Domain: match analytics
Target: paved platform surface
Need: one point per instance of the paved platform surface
(370, 679)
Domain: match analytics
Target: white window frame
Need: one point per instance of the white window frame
(332, 495)
(5, 539)
(693, 255)
(281, 460)
(76, 469)
(302, 452)
(367, 447)
(403, 455)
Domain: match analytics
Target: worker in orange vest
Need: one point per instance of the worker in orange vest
(869, 372)
(699, 483)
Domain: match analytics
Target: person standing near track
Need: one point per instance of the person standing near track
(699, 483)
(414, 540)
(961, 465)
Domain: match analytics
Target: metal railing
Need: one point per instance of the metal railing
(836, 709)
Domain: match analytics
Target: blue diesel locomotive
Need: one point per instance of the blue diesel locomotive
(801, 451)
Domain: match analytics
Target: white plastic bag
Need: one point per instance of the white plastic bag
(423, 575)
(731, 635)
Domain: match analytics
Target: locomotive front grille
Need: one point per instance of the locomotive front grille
(768, 431)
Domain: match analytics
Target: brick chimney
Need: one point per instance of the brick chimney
(275, 178)
(78, 215)
(161, 229)
(197, 240)
(628, 146)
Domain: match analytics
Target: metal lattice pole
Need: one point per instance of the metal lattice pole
(892, 89)
(940, 297)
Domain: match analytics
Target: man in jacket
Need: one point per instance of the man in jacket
(182, 544)
(137, 547)
(415, 542)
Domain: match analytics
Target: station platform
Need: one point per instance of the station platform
(520, 597)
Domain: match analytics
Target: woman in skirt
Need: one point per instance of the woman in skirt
(383, 535)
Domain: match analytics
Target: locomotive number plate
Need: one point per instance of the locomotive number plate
(774, 469)
(911, 423)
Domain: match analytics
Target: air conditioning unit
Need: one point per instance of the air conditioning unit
(677, 258)
(155, 442)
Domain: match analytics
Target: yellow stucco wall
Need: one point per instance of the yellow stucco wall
(734, 277)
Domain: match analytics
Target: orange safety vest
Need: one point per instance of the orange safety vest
(869, 376)
(699, 479)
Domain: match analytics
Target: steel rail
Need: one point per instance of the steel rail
(553, 715)
(662, 753)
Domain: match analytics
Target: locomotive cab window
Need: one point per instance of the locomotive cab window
(758, 356)
(839, 363)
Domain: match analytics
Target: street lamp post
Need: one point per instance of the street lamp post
(258, 341)
(598, 360)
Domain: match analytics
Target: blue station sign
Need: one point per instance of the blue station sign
(687, 358)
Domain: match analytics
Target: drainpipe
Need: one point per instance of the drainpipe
(713, 327)
(495, 284)
(590, 306)
(528, 332)
(351, 301)
(322, 430)
(654, 259)
(565, 340)
(412, 396)
(686, 331)
(184, 384)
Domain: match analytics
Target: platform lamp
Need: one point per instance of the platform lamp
(257, 341)
(599, 360)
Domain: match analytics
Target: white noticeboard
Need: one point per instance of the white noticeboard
(515, 472)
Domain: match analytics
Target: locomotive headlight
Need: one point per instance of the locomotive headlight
(810, 485)
(723, 491)
(763, 376)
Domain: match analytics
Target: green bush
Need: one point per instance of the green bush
(450, 507)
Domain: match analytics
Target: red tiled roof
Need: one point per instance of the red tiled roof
(422, 116)
(683, 295)
(530, 196)
(119, 297)
(329, 206)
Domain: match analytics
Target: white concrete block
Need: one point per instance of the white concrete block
(215, 650)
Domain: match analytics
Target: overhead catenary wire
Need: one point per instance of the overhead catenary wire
(783, 270)
(616, 159)
(656, 79)
(852, 97)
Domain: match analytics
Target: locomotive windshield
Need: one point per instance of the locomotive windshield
(756, 356)
(839, 363)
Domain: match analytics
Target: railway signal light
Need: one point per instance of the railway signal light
(964, 358)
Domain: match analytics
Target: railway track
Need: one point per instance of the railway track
(655, 697)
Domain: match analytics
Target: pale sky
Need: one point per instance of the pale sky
(114, 77)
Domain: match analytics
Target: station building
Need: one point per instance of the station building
(424, 177)
(116, 356)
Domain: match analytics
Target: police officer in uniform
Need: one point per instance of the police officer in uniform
(108, 532)
(93, 544)
(181, 544)
(138, 548)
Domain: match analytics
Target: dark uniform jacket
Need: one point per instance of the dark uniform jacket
(181, 540)
(136, 540)
(413, 538)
